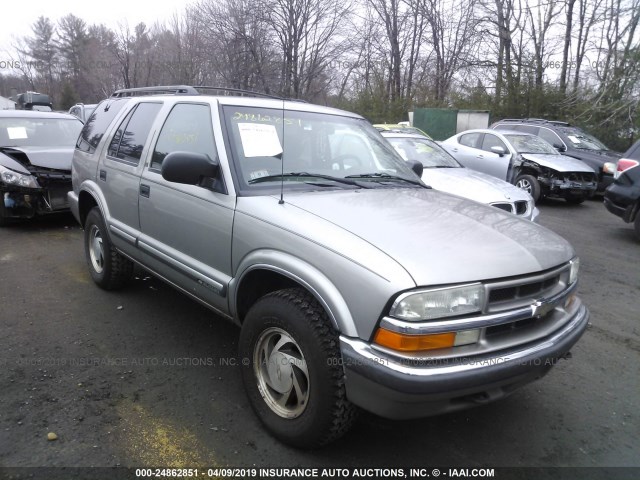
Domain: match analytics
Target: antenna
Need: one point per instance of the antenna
(282, 161)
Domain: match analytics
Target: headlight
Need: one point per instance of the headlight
(439, 303)
(573, 273)
(11, 177)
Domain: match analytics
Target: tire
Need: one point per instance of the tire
(298, 392)
(529, 184)
(575, 200)
(108, 268)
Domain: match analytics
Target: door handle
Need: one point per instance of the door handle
(145, 190)
(103, 175)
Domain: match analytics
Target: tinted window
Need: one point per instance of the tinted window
(128, 142)
(550, 136)
(188, 128)
(469, 139)
(95, 127)
(492, 141)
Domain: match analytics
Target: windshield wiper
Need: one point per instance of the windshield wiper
(270, 178)
(377, 176)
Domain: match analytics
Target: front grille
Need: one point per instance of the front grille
(523, 291)
(503, 206)
(578, 177)
(521, 207)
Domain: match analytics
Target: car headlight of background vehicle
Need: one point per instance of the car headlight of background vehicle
(439, 303)
(11, 177)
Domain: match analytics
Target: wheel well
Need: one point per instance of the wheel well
(527, 171)
(257, 284)
(85, 203)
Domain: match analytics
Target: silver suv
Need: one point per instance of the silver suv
(354, 284)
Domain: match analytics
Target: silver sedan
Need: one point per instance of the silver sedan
(524, 160)
(444, 173)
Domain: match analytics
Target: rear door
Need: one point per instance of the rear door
(466, 149)
(119, 172)
(186, 229)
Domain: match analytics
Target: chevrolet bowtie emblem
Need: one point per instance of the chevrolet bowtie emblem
(540, 309)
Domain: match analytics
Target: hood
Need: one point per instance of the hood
(7, 161)
(560, 163)
(437, 238)
(474, 185)
(594, 156)
(57, 158)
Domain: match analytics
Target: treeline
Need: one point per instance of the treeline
(577, 60)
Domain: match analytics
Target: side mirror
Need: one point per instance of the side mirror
(559, 147)
(499, 150)
(416, 166)
(188, 167)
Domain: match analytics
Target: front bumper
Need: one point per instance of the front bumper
(401, 390)
(21, 202)
(567, 188)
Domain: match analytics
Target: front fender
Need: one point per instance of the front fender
(300, 272)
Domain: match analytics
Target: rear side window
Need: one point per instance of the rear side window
(469, 139)
(97, 124)
(128, 142)
(188, 128)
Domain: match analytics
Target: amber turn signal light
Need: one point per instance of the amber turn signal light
(413, 343)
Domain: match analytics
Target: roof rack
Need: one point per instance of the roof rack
(192, 90)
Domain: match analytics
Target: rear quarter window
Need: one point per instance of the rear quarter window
(97, 124)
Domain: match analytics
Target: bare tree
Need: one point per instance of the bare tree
(452, 32)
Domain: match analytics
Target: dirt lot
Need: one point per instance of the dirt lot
(145, 377)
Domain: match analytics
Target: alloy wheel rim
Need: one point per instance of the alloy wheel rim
(524, 185)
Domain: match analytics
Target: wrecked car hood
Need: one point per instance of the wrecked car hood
(558, 162)
(57, 158)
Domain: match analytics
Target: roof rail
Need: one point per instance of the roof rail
(160, 90)
(192, 90)
(537, 120)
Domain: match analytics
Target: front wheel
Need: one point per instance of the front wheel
(108, 268)
(292, 371)
(529, 184)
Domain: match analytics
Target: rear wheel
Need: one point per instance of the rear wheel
(108, 268)
(529, 184)
(291, 370)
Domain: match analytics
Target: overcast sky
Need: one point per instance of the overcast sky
(18, 16)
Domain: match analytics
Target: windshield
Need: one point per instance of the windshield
(530, 144)
(427, 152)
(312, 150)
(584, 141)
(39, 132)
